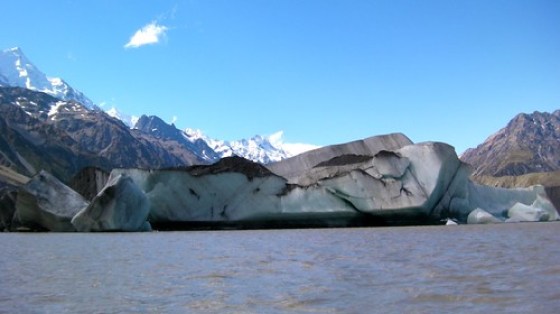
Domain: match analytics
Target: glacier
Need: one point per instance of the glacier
(381, 180)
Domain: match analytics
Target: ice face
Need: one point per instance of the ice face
(47, 203)
(120, 206)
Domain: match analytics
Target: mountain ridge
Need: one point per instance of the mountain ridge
(62, 137)
(529, 143)
(261, 149)
(17, 70)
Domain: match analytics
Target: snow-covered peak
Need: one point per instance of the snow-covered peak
(261, 149)
(17, 70)
(20, 72)
(195, 134)
(129, 120)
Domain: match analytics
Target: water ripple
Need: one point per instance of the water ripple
(465, 269)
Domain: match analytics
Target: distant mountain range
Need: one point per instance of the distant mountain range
(189, 146)
(529, 143)
(38, 131)
(47, 124)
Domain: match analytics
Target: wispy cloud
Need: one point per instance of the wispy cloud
(150, 34)
(70, 56)
(169, 15)
(292, 149)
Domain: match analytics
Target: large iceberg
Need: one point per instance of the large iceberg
(383, 180)
(400, 186)
(379, 180)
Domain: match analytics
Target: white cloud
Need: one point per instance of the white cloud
(149, 34)
(174, 119)
(292, 149)
(298, 148)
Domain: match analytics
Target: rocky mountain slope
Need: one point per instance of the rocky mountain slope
(529, 143)
(157, 128)
(38, 131)
(16, 70)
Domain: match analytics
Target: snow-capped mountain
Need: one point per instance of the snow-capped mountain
(261, 149)
(38, 131)
(16, 70)
(258, 149)
(159, 129)
(129, 120)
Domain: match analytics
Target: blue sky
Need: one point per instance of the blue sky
(324, 71)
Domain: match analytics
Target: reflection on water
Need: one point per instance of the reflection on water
(493, 268)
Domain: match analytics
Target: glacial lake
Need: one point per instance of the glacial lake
(513, 268)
